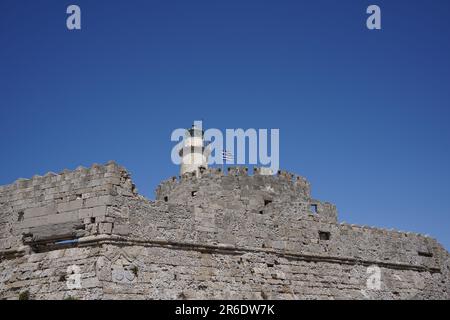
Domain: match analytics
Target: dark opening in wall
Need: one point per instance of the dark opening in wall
(425, 254)
(261, 212)
(313, 208)
(20, 216)
(92, 220)
(267, 202)
(79, 196)
(166, 199)
(194, 193)
(324, 235)
(56, 244)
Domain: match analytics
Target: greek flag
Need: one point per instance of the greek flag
(227, 156)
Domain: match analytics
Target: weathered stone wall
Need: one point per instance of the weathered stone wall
(170, 272)
(282, 230)
(162, 270)
(214, 236)
(45, 275)
(62, 206)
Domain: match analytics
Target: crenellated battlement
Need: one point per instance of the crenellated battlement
(284, 177)
(67, 205)
(95, 172)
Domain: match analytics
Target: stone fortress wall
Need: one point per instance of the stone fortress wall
(211, 236)
(61, 206)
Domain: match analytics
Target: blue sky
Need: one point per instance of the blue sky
(364, 115)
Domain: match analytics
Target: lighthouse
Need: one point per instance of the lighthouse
(194, 154)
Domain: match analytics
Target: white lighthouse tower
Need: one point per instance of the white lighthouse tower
(194, 154)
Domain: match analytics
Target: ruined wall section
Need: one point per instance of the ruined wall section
(64, 206)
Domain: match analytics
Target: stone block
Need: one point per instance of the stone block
(70, 206)
(85, 213)
(55, 231)
(63, 217)
(121, 229)
(99, 211)
(40, 211)
(99, 201)
(105, 228)
(87, 221)
(34, 222)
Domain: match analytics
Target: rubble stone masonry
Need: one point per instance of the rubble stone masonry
(216, 236)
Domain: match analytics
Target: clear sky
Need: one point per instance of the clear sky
(364, 115)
